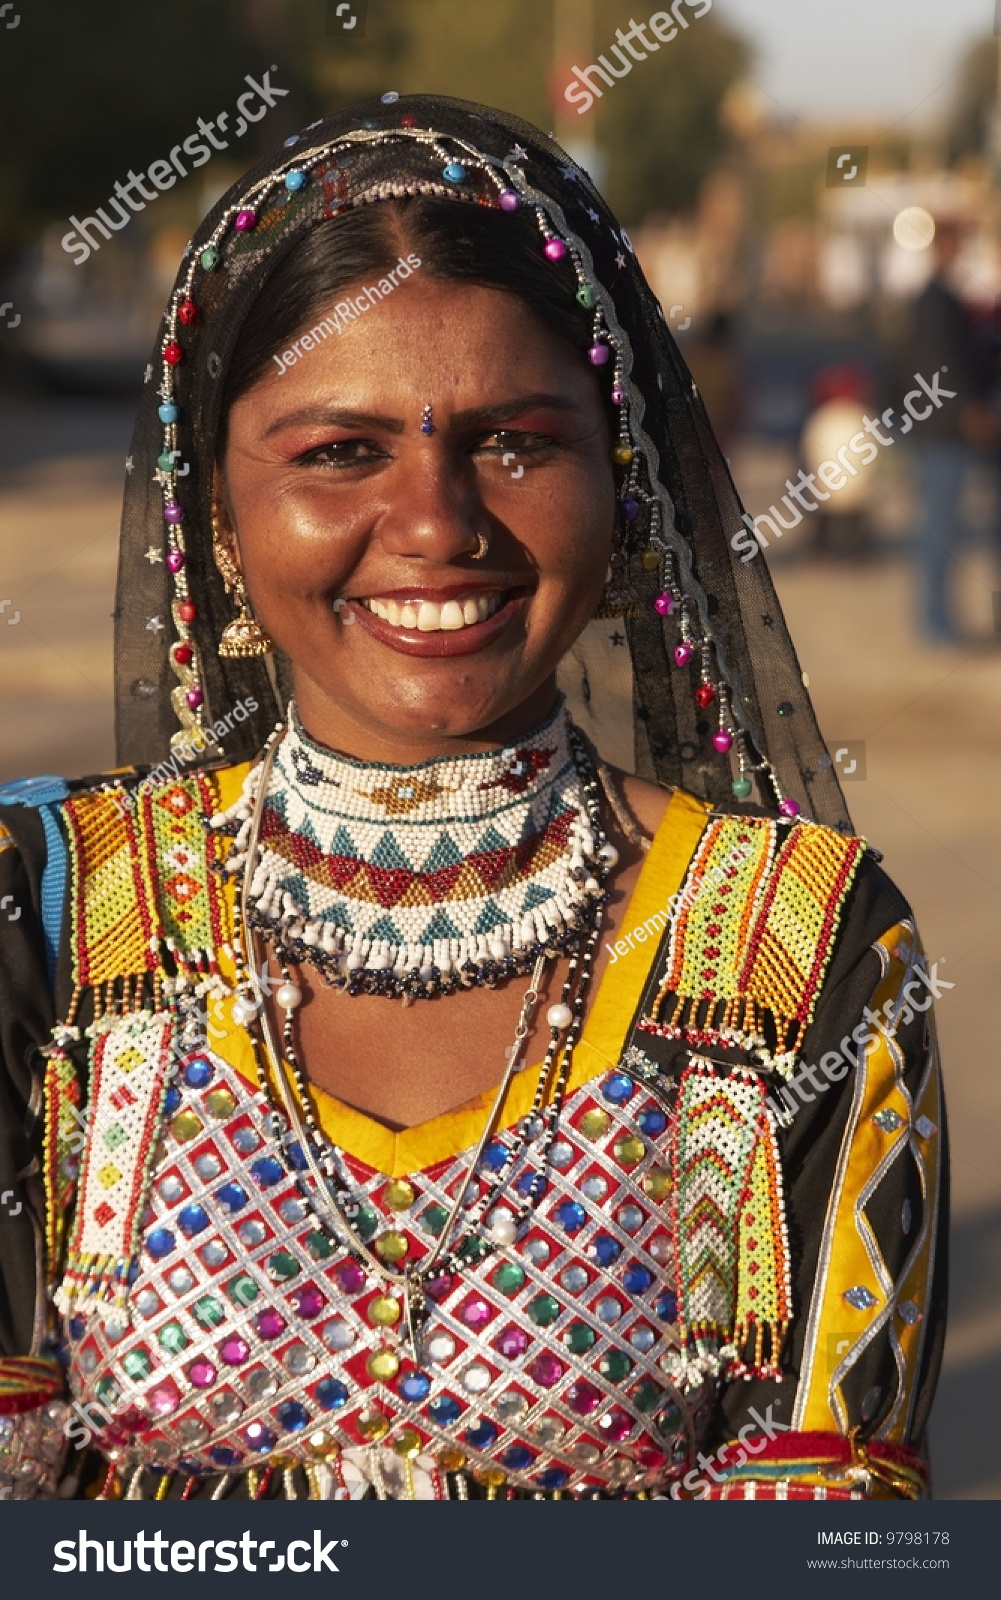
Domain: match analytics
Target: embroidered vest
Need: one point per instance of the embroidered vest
(213, 1326)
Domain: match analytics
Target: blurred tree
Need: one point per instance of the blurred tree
(92, 88)
(974, 103)
(659, 129)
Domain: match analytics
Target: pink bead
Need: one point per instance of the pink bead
(789, 808)
(722, 740)
(309, 1302)
(350, 1277)
(598, 355)
(546, 1369)
(513, 1342)
(175, 561)
(201, 1373)
(270, 1324)
(664, 605)
(583, 1398)
(555, 250)
(245, 220)
(475, 1313)
(616, 1424)
(172, 512)
(165, 1398)
(618, 396)
(194, 697)
(234, 1351)
(509, 200)
(683, 653)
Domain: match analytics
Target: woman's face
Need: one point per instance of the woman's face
(356, 530)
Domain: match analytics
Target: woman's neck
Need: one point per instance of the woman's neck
(398, 745)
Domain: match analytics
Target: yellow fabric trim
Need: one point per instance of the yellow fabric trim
(6, 838)
(444, 1137)
(837, 1328)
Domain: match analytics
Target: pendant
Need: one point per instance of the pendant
(416, 1313)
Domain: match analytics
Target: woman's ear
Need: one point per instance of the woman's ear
(225, 545)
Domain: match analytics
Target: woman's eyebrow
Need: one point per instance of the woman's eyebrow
(333, 416)
(475, 416)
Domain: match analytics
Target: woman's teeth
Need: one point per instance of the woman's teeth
(427, 616)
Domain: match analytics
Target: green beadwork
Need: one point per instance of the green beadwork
(173, 1338)
(579, 1338)
(509, 1277)
(208, 1311)
(543, 1310)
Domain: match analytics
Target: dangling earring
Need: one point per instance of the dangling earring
(243, 637)
(619, 597)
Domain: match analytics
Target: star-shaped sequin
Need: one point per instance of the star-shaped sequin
(153, 555)
(768, 619)
(148, 374)
(154, 625)
(620, 260)
(618, 638)
(570, 173)
(129, 463)
(518, 154)
(594, 215)
(162, 478)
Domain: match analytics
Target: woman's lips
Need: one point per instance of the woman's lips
(427, 636)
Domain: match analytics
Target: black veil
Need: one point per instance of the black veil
(624, 688)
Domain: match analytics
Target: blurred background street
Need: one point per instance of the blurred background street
(790, 175)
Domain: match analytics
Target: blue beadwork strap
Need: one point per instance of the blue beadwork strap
(46, 795)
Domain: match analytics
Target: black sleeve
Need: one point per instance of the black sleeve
(27, 1015)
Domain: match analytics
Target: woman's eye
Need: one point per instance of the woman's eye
(508, 440)
(343, 453)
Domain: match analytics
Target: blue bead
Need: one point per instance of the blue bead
(525, 1182)
(266, 1171)
(232, 1197)
(618, 1088)
(444, 1410)
(482, 1434)
(198, 1073)
(293, 1416)
(191, 1220)
(168, 413)
(297, 1156)
(160, 1243)
(667, 1307)
(652, 1121)
(604, 1250)
(495, 1155)
(263, 1440)
(78, 1327)
(636, 1279)
(171, 1100)
(223, 1456)
(570, 1215)
(415, 1386)
(455, 172)
(552, 1478)
(295, 180)
(516, 1457)
(331, 1394)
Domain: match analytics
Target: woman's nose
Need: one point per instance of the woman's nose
(434, 515)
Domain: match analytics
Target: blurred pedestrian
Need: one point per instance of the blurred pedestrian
(944, 339)
(840, 395)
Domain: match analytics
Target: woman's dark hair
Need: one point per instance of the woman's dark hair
(456, 243)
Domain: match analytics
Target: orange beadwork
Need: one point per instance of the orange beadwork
(753, 937)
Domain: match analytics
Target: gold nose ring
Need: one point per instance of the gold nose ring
(482, 546)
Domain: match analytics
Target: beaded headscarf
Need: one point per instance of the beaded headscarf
(693, 683)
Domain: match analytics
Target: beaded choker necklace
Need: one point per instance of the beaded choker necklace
(416, 881)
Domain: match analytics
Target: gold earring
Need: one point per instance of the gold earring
(243, 637)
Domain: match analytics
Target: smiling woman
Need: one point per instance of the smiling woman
(310, 1236)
